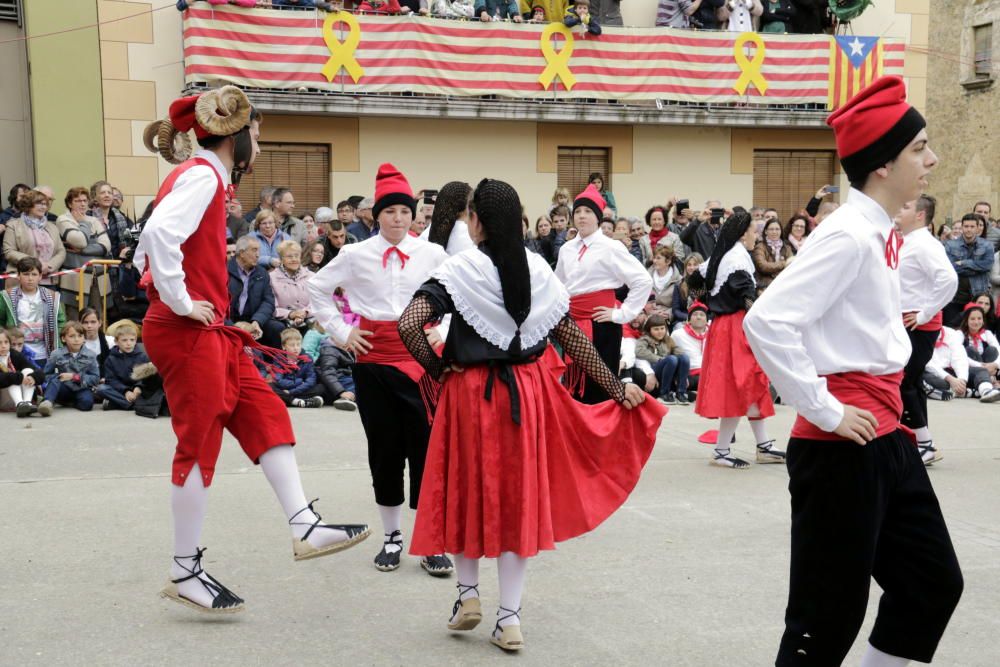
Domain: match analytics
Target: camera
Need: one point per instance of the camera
(717, 214)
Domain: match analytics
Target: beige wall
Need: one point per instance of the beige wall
(66, 100)
(15, 112)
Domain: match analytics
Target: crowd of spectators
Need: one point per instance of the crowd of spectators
(272, 254)
(768, 16)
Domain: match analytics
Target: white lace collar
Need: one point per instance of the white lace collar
(474, 286)
(737, 259)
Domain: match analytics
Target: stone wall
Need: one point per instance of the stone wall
(963, 118)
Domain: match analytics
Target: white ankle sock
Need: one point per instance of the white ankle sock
(876, 658)
(188, 506)
(923, 434)
(391, 518)
(984, 388)
(282, 472)
(511, 569)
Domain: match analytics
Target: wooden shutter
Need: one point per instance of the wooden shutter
(305, 168)
(574, 165)
(982, 36)
(787, 180)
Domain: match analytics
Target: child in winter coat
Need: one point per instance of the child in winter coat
(334, 367)
(579, 13)
(18, 380)
(17, 344)
(72, 371)
(669, 362)
(297, 387)
(120, 391)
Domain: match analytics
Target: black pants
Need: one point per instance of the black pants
(287, 398)
(395, 422)
(857, 513)
(608, 341)
(911, 388)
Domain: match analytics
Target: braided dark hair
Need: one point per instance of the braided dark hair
(451, 201)
(733, 229)
(499, 211)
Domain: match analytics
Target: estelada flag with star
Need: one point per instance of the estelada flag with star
(855, 62)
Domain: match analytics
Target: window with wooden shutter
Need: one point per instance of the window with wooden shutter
(305, 168)
(574, 165)
(982, 36)
(787, 180)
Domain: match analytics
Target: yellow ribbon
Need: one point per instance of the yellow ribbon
(750, 69)
(342, 53)
(558, 63)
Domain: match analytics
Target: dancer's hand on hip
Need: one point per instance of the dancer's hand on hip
(633, 396)
(203, 312)
(356, 342)
(603, 314)
(857, 425)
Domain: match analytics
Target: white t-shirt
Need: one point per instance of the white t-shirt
(31, 320)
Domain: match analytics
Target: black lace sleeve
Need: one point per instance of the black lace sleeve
(576, 344)
(411, 330)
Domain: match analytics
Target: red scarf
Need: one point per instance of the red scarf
(892, 246)
(940, 340)
(656, 234)
(694, 334)
(975, 340)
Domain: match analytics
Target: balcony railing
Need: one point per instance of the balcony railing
(432, 66)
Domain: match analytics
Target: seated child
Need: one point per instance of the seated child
(690, 338)
(33, 309)
(670, 364)
(297, 387)
(120, 390)
(334, 367)
(72, 371)
(17, 343)
(17, 380)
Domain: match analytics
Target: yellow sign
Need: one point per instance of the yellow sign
(342, 53)
(749, 69)
(557, 63)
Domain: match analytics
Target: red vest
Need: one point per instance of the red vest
(204, 261)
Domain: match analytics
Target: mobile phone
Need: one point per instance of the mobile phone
(833, 189)
(717, 214)
(430, 196)
(682, 205)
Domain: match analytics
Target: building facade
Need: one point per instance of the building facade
(92, 90)
(963, 102)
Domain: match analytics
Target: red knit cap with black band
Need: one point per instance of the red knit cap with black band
(874, 127)
(182, 116)
(697, 305)
(592, 199)
(392, 188)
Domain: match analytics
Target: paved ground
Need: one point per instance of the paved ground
(692, 571)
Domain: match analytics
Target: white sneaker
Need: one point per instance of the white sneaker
(992, 396)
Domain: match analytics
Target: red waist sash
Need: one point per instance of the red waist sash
(879, 394)
(934, 324)
(581, 308)
(388, 349)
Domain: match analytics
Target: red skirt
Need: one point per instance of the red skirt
(731, 379)
(491, 485)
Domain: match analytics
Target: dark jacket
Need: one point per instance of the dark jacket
(705, 18)
(83, 366)
(237, 227)
(259, 307)
(20, 362)
(700, 237)
(299, 381)
(118, 368)
(334, 364)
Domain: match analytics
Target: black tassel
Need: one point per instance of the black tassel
(515, 344)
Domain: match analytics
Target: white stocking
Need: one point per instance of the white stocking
(392, 515)
(468, 575)
(282, 473)
(511, 569)
(727, 429)
(27, 393)
(759, 428)
(876, 658)
(188, 506)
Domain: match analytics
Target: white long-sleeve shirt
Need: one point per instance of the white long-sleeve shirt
(835, 309)
(605, 264)
(692, 347)
(950, 355)
(175, 218)
(990, 339)
(927, 280)
(375, 292)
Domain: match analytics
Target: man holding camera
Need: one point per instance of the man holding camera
(702, 233)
